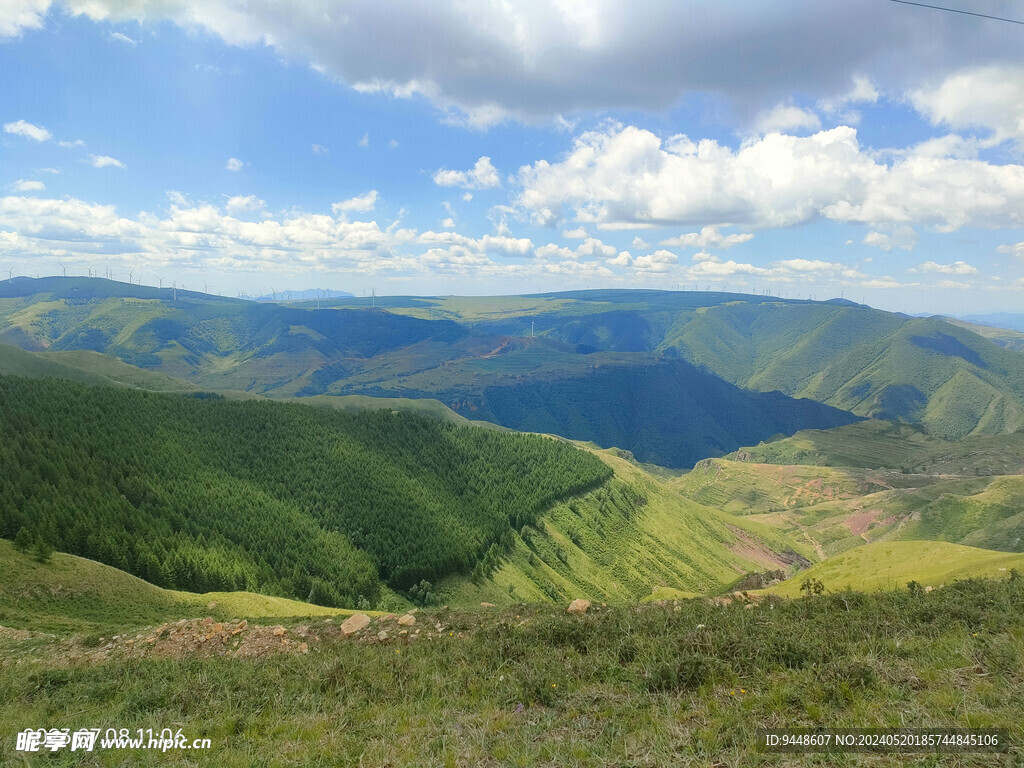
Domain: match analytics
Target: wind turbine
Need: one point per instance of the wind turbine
(10, 274)
(174, 287)
(161, 280)
(204, 288)
(131, 272)
(65, 269)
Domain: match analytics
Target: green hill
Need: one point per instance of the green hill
(621, 542)
(512, 359)
(208, 494)
(72, 594)
(890, 565)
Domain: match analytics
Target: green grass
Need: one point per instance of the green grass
(685, 684)
(72, 594)
(622, 541)
(890, 565)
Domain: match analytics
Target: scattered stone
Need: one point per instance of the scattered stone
(279, 631)
(407, 621)
(355, 623)
(579, 607)
(303, 648)
(382, 635)
(487, 605)
(928, 589)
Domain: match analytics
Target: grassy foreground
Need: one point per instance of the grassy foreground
(685, 683)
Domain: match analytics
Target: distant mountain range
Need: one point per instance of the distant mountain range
(672, 376)
(1008, 320)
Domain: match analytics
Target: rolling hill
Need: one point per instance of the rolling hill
(208, 494)
(337, 507)
(512, 360)
(891, 565)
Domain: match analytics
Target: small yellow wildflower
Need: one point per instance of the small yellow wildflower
(554, 685)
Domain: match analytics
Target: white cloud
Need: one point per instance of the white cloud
(197, 236)
(862, 91)
(957, 268)
(1015, 249)
(708, 237)
(233, 164)
(448, 223)
(986, 97)
(627, 178)
(904, 238)
(657, 262)
(362, 203)
(71, 144)
(123, 39)
(320, 150)
(488, 244)
(21, 185)
(365, 141)
(575, 234)
(467, 197)
(783, 117)
(19, 15)
(481, 62)
(243, 204)
(624, 259)
(28, 130)
(551, 252)
(105, 161)
(483, 175)
(393, 144)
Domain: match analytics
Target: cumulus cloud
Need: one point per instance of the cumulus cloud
(862, 91)
(361, 203)
(233, 164)
(956, 268)
(658, 262)
(1015, 249)
(487, 61)
(19, 15)
(990, 97)
(197, 235)
(21, 185)
(365, 141)
(105, 161)
(784, 117)
(626, 177)
(28, 130)
(904, 238)
(483, 175)
(243, 204)
(708, 237)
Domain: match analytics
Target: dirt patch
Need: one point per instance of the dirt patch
(859, 523)
(751, 549)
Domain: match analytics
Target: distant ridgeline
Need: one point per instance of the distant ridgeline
(564, 362)
(207, 494)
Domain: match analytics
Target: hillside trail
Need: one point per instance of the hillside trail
(810, 540)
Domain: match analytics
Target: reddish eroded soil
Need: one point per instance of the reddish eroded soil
(751, 549)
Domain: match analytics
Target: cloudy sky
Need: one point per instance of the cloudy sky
(863, 148)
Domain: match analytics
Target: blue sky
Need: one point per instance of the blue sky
(870, 150)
